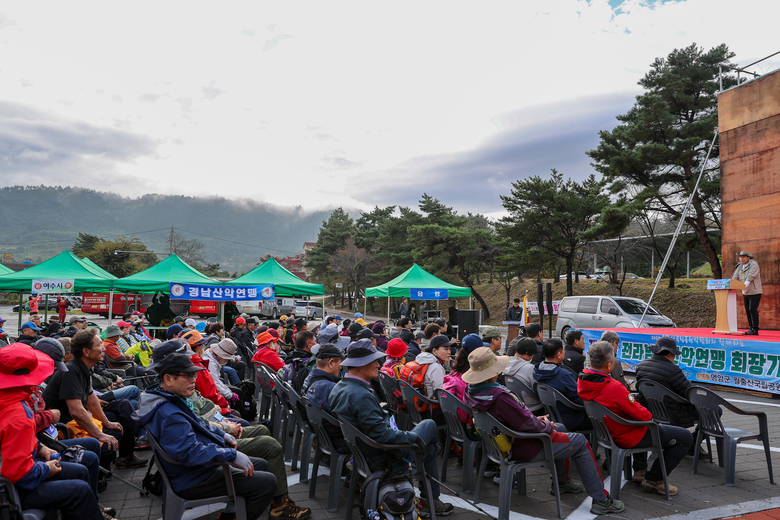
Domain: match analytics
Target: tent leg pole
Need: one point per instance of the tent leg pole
(222, 312)
(46, 309)
(110, 306)
(19, 326)
(388, 308)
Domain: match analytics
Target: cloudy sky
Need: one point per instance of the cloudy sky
(331, 103)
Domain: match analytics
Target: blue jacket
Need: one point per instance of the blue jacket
(183, 436)
(565, 382)
(318, 387)
(355, 401)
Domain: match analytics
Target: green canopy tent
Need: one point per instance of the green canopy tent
(414, 278)
(65, 265)
(5, 270)
(271, 272)
(158, 278)
(92, 264)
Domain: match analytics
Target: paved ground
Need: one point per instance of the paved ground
(702, 496)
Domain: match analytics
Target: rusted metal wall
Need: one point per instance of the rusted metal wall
(749, 133)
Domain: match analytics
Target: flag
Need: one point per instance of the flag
(526, 319)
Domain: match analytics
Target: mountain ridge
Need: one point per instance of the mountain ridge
(38, 222)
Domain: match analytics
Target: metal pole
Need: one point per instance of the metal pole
(540, 303)
(679, 227)
(688, 266)
(548, 288)
(595, 256)
(388, 306)
(110, 305)
(19, 326)
(45, 309)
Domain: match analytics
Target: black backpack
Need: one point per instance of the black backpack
(246, 406)
(295, 373)
(152, 482)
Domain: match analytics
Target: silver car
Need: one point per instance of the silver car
(606, 312)
(309, 310)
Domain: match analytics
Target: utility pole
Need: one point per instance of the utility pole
(170, 244)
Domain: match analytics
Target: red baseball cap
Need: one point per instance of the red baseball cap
(240, 320)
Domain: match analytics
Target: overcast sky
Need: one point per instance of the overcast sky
(330, 103)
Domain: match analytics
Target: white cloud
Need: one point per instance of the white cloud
(415, 93)
(211, 91)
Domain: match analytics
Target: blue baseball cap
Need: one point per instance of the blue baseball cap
(29, 325)
(337, 317)
(472, 342)
(173, 330)
(358, 315)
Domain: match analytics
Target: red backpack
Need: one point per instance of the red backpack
(414, 374)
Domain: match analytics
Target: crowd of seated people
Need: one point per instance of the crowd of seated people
(190, 379)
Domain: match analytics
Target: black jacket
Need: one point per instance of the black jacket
(70, 332)
(574, 358)
(539, 356)
(660, 370)
(27, 340)
(513, 314)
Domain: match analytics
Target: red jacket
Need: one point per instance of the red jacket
(18, 444)
(269, 358)
(206, 386)
(608, 392)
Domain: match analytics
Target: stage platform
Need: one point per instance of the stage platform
(739, 361)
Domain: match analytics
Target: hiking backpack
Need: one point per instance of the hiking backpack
(395, 498)
(152, 482)
(414, 374)
(247, 406)
(295, 373)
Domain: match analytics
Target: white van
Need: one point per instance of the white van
(268, 308)
(606, 312)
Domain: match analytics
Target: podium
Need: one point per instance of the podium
(726, 301)
(513, 330)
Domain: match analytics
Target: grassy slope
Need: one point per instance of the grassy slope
(688, 305)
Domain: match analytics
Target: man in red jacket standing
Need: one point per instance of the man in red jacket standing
(595, 383)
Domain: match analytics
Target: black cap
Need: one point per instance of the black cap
(355, 328)
(177, 363)
(166, 348)
(406, 336)
(330, 351)
(366, 334)
(178, 319)
(300, 322)
(440, 340)
(665, 343)
(54, 349)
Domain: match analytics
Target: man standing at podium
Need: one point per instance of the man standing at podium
(747, 271)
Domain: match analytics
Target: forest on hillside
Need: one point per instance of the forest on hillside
(40, 221)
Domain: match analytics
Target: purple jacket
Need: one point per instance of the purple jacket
(510, 411)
